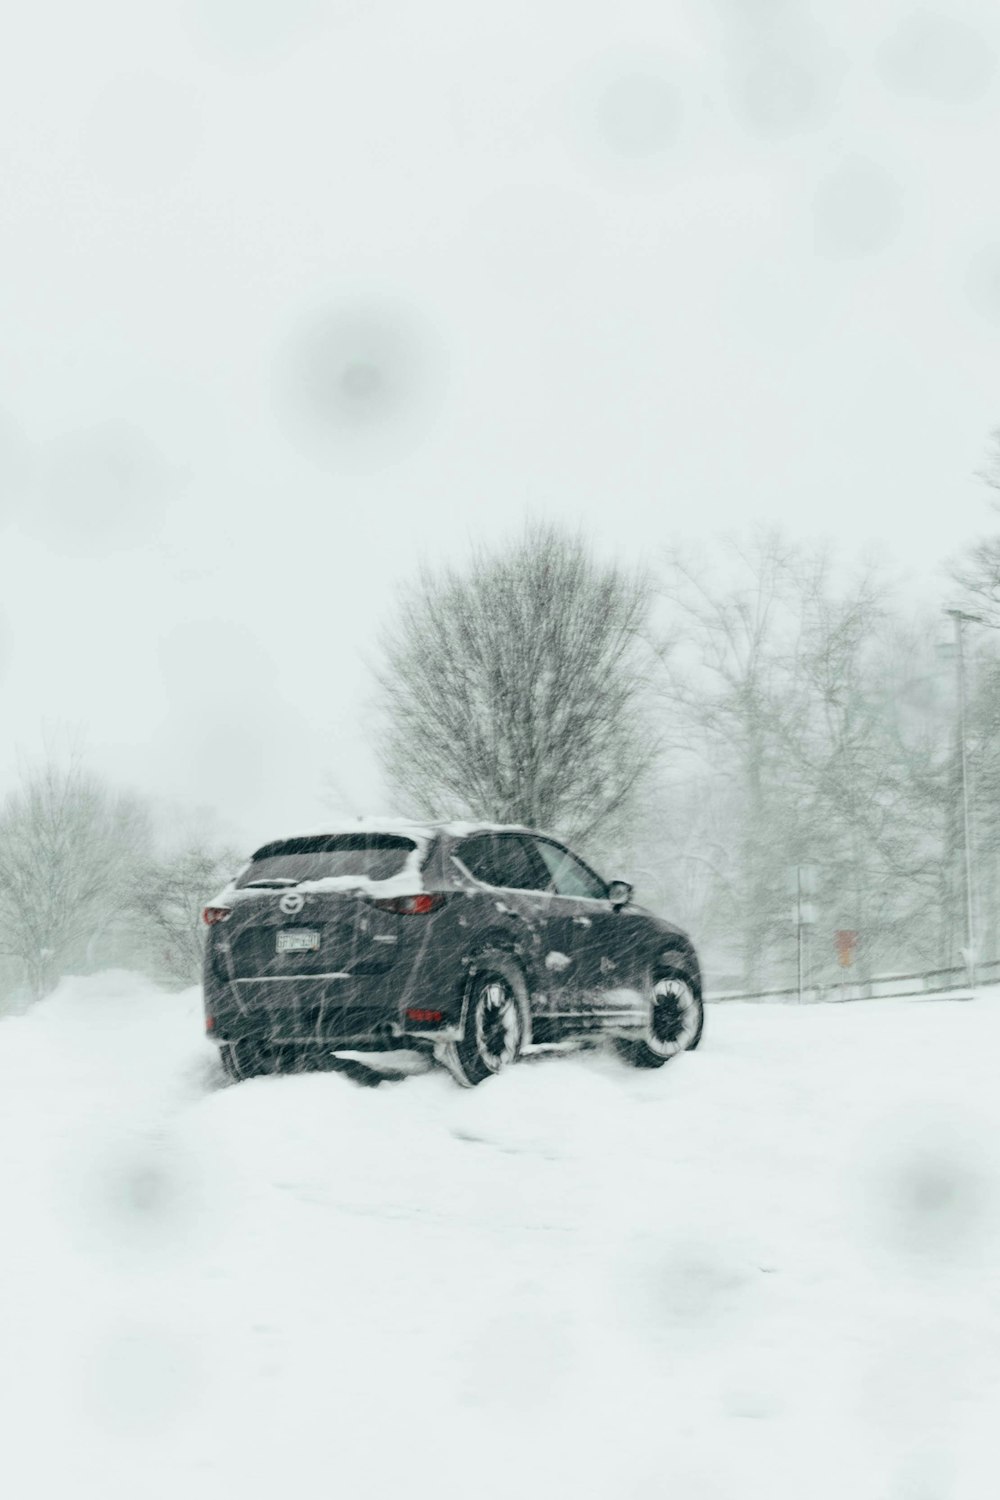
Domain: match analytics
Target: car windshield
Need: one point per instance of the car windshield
(376, 856)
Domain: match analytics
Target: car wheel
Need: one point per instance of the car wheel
(245, 1060)
(495, 1009)
(676, 1020)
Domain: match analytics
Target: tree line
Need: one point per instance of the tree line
(707, 725)
(712, 725)
(86, 883)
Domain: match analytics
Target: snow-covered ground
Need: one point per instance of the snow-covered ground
(768, 1270)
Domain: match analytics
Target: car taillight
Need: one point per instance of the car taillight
(213, 914)
(410, 906)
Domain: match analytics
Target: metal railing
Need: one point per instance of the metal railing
(881, 987)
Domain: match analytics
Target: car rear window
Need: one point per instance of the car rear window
(376, 856)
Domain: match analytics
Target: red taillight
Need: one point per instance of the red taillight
(209, 1023)
(213, 914)
(424, 1015)
(410, 906)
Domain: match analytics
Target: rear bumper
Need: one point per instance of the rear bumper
(331, 1011)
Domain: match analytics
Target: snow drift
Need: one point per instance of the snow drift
(767, 1270)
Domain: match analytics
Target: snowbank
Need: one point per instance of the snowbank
(768, 1269)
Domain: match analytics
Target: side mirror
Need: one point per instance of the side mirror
(619, 894)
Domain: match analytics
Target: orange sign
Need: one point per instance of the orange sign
(847, 943)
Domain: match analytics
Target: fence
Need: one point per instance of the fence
(882, 987)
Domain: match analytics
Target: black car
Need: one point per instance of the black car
(473, 942)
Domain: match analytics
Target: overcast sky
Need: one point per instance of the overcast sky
(298, 293)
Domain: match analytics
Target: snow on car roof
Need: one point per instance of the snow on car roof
(407, 880)
(419, 831)
(460, 830)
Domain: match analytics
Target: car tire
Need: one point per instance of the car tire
(676, 1017)
(495, 1021)
(245, 1060)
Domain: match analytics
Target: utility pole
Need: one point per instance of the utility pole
(802, 882)
(961, 618)
(799, 923)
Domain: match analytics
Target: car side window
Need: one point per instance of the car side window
(504, 859)
(570, 876)
(477, 857)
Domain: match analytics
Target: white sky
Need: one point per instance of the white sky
(297, 294)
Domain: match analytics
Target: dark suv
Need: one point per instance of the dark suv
(470, 941)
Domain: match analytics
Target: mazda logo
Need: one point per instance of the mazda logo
(292, 903)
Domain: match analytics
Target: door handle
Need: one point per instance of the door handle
(581, 921)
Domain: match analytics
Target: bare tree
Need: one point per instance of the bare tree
(683, 859)
(977, 574)
(69, 848)
(977, 571)
(983, 750)
(789, 693)
(872, 806)
(514, 689)
(170, 893)
(730, 623)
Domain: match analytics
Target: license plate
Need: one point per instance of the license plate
(298, 941)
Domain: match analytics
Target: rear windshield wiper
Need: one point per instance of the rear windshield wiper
(272, 884)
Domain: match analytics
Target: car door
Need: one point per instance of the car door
(608, 956)
(515, 881)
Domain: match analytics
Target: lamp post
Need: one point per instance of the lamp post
(803, 880)
(961, 619)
